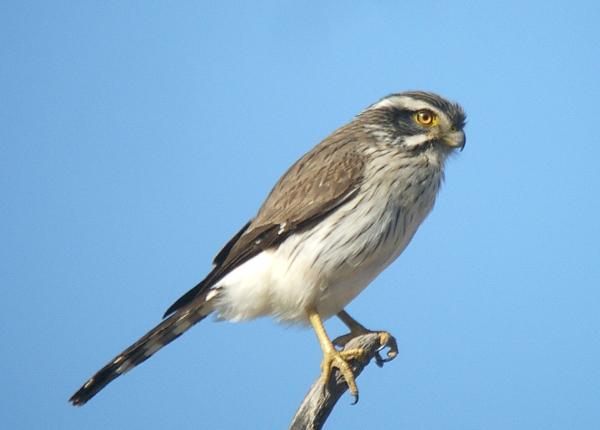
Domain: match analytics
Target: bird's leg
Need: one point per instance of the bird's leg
(356, 329)
(332, 358)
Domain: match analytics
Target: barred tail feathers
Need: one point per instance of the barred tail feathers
(161, 335)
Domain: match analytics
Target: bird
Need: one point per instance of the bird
(334, 221)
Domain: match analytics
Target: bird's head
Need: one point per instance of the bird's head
(417, 121)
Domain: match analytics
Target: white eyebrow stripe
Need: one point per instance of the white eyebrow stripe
(404, 102)
(411, 104)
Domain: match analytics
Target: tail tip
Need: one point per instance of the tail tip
(82, 395)
(77, 400)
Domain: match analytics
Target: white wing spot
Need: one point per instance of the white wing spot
(211, 295)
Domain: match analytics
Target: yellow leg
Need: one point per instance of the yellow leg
(354, 326)
(332, 358)
(356, 329)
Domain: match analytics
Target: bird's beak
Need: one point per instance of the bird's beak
(455, 139)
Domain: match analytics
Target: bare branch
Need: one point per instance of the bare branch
(321, 399)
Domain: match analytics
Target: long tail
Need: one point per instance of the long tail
(164, 333)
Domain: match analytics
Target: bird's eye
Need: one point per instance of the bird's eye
(426, 118)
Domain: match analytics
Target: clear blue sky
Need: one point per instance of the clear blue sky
(138, 136)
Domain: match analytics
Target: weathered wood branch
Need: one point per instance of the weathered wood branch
(321, 399)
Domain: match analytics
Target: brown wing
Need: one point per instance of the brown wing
(324, 178)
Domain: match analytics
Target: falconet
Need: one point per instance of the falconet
(339, 216)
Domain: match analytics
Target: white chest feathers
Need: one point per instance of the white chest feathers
(331, 263)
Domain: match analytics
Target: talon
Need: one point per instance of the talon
(384, 338)
(388, 341)
(339, 360)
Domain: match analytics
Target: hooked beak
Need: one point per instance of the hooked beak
(455, 139)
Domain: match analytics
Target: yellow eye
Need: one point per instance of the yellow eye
(426, 118)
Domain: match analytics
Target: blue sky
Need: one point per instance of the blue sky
(138, 136)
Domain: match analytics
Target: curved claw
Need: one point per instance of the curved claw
(386, 340)
(339, 360)
(380, 361)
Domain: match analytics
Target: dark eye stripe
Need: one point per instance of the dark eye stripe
(452, 111)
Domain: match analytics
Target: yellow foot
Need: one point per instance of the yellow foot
(339, 360)
(386, 340)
